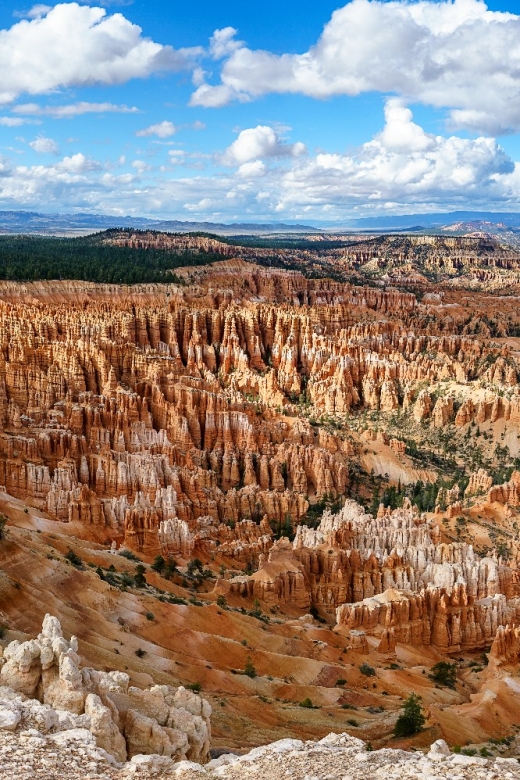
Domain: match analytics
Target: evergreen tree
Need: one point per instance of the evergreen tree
(139, 578)
(411, 720)
(159, 564)
(444, 673)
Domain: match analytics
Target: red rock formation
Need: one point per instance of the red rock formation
(508, 493)
(506, 647)
(448, 621)
(479, 483)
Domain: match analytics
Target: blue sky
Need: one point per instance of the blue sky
(286, 111)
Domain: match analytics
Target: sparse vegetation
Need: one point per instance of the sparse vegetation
(129, 555)
(444, 673)
(74, 559)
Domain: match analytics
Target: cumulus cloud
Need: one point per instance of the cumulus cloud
(257, 142)
(78, 45)
(402, 168)
(161, 130)
(44, 145)
(38, 10)
(403, 163)
(72, 110)
(252, 169)
(453, 54)
(223, 42)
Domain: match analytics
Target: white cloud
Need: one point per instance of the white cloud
(72, 110)
(38, 10)
(78, 163)
(403, 163)
(33, 13)
(250, 170)
(140, 166)
(257, 142)
(223, 43)
(453, 54)
(161, 130)
(176, 153)
(44, 145)
(11, 121)
(403, 168)
(78, 45)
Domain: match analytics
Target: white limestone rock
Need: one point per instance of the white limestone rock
(9, 718)
(439, 751)
(104, 729)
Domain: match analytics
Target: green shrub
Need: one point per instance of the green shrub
(249, 669)
(150, 616)
(170, 569)
(307, 704)
(140, 653)
(352, 722)
(193, 566)
(367, 670)
(196, 687)
(3, 523)
(445, 674)
(3, 632)
(74, 559)
(341, 682)
(159, 564)
(139, 578)
(126, 580)
(222, 601)
(129, 555)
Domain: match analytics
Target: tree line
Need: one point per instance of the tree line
(34, 258)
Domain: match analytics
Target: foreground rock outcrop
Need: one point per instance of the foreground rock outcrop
(72, 756)
(43, 687)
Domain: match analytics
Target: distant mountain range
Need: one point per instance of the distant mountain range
(33, 222)
(425, 221)
(81, 224)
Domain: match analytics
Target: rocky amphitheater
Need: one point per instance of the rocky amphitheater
(244, 515)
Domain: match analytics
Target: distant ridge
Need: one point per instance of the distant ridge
(421, 221)
(18, 222)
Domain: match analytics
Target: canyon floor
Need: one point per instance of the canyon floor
(289, 479)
